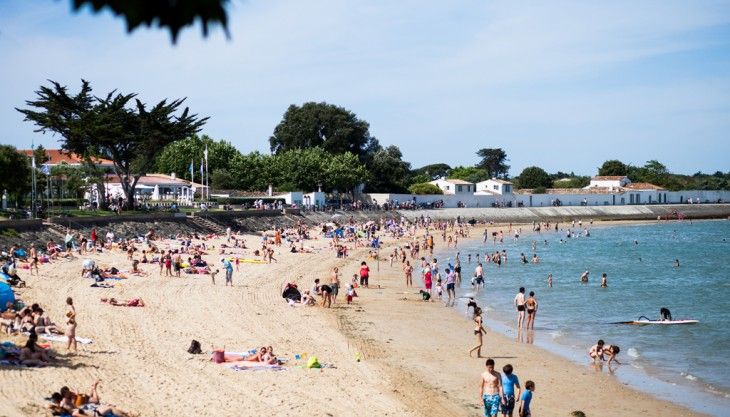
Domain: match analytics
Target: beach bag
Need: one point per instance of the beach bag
(195, 348)
(313, 363)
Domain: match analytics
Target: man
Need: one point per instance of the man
(229, 271)
(520, 305)
(490, 390)
(479, 275)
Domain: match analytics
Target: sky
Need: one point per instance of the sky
(558, 84)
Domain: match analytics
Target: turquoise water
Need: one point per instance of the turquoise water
(641, 279)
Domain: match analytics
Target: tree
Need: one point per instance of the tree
(613, 167)
(15, 174)
(471, 174)
(494, 162)
(332, 128)
(424, 188)
(388, 171)
(173, 15)
(176, 157)
(299, 169)
(433, 171)
(534, 177)
(344, 172)
(110, 127)
(253, 171)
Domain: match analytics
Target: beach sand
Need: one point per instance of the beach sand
(414, 354)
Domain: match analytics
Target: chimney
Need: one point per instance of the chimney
(270, 192)
(173, 175)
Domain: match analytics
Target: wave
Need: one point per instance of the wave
(633, 353)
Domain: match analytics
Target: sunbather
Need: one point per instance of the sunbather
(32, 354)
(133, 302)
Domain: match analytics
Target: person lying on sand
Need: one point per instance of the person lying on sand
(134, 302)
(68, 402)
(33, 355)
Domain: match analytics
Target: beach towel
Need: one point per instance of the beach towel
(252, 366)
(62, 338)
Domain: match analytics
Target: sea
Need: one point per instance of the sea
(687, 364)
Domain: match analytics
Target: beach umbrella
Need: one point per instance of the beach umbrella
(6, 295)
(156, 192)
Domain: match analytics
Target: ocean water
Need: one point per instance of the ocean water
(642, 278)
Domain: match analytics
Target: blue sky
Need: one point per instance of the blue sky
(561, 85)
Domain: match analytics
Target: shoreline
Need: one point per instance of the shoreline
(413, 356)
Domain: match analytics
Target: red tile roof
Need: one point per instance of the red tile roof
(57, 156)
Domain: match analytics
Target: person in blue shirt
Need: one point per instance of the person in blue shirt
(509, 382)
(228, 266)
(527, 399)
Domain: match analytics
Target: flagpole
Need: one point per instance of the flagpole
(207, 175)
(33, 184)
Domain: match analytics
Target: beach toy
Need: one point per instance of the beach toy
(297, 356)
(357, 356)
(313, 363)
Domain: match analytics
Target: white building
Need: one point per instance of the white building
(494, 186)
(612, 182)
(454, 186)
(156, 187)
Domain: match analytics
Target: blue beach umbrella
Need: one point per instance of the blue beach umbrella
(6, 295)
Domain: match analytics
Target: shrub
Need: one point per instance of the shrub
(424, 188)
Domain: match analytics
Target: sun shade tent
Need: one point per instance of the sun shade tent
(6, 295)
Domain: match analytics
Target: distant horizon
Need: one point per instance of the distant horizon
(562, 88)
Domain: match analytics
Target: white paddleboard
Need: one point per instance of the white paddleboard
(662, 322)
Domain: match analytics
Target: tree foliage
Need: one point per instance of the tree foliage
(494, 161)
(115, 127)
(613, 167)
(431, 172)
(424, 188)
(471, 174)
(15, 174)
(534, 177)
(176, 157)
(173, 15)
(388, 171)
(332, 128)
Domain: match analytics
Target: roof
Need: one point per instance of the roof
(642, 186)
(457, 181)
(609, 177)
(154, 179)
(58, 156)
(498, 181)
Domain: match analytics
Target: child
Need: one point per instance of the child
(509, 382)
(526, 399)
(212, 276)
(237, 262)
(596, 351)
(354, 280)
(350, 293)
(439, 288)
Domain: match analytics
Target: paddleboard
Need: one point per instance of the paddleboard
(661, 322)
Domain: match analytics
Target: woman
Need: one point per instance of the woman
(531, 307)
(408, 269)
(478, 332)
(70, 324)
(32, 354)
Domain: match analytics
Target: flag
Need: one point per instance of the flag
(45, 169)
(201, 172)
(205, 153)
(32, 161)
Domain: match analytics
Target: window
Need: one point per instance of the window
(496, 187)
(459, 189)
(447, 187)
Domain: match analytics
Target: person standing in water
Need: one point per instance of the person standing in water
(531, 307)
(604, 280)
(520, 305)
(550, 280)
(450, 287)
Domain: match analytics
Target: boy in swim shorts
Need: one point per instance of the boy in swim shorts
(490, 390)
(509, 382)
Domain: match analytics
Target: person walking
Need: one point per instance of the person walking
(228, 266)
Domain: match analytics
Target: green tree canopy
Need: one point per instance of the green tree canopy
(494, 161)
(534, 177)
(471, 174)
(388, 171)
(332, 128)
(115, 127)
(15, 171)
(176, 157)
(432, 171)
(613, 167)
(424, 188)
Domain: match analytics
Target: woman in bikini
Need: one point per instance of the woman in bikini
(531, 307)
(478, 332)
(70, 324)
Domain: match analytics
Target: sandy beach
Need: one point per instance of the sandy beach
(413, 354)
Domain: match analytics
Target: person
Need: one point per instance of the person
(596, 351)
(213, 274)
(531, 307)
(32, 354)
(133, 302)
(604, 280)
(509, 382)
(229, 271)
(408, 270)
(427, 282)
(479, 275)
(524, 410)
(350, 293)
(520, 305)
(70, 324)
(450, 287)
(665, 314)
(676, 263)
(471, 304)
(326, 292)
(33, 259)
(490, 390)
(550, 280)
(478, 332)
(364, 274)
(612, 351)
(584, 277)
(335, 284)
